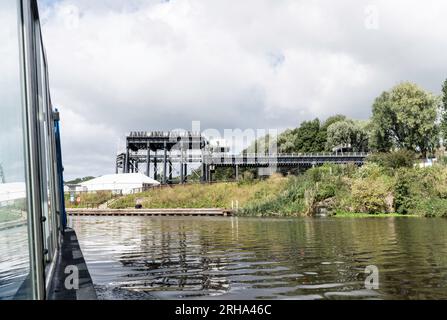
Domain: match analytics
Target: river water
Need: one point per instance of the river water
(235, 258)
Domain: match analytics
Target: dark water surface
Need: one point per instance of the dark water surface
(234, 258)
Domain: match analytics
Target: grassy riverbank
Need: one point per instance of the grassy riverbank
(220, 195)
(373, 190)
(89, 200)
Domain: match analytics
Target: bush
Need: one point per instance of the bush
(402, 196)
(432, 207)
(370, 196)
(394, 160)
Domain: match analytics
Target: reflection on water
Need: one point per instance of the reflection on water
(14, 260)
(189, 258)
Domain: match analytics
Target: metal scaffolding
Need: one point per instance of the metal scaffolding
(171, 149)
(167, 148)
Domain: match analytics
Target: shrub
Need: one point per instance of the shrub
(370, 196)
(369, 170)
(402, 196)
(394, 160)
(432, 207)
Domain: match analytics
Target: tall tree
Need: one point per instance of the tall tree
(444, 113)
(347, 132)
(405, 117)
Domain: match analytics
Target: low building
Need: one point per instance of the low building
(127, 183)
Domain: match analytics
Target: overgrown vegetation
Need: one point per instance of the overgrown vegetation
(372, 189)
(89, 200)
(221, 195)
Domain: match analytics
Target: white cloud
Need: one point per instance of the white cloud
(117, 66)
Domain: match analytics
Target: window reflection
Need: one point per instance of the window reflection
(14, 247)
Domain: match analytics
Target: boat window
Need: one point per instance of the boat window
(14, 246)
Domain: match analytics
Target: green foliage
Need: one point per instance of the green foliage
(431, 207)
(219, 195)
(347, 132)
(90, 199)
(444, 112)
(405, 117)
(370, 170)
(306, 138)
(224, 174)
(370, 195)
(402, 197)
(331, 120)
(311, 136)
(394, 160)
(371, 189)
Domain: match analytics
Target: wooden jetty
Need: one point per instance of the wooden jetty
(213, 212)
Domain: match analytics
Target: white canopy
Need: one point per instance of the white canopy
(124, 183)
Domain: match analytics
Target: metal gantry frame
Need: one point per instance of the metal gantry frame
(162, 148)
(166, 142)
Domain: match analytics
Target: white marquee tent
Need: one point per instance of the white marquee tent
(128, 183)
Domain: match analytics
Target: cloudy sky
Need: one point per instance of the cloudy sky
(122, 65)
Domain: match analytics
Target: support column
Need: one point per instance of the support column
(148, 168)
(203, 178)
(185, 175)
(165, 163)
(182, 178)
(237, 172)
(156, 166)
(170, 171)
(127, 160)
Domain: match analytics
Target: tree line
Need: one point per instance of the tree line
(406, 117)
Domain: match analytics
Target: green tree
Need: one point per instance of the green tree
(331, 120)
(394, 160)
(402, 197)
(306, 138)
(347, 132)
(405, 117)
(444, 112)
